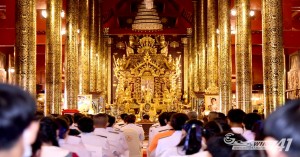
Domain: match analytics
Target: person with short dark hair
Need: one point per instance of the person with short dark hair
(17, 119)
(159, 127)
(235, 120)
(76, 117)
(131, 125)
(162, 132)
(177, 122)
(283, 124)
(90, 139)
(116, 140)
(145, 119)
(122, 121)
(192, 142)
(249, 120)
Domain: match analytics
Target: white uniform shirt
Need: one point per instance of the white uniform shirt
(237, 130)
(75, 145)
(168, 142)
(136, 127)
(119, 125)
(249, 135)
(97, 141)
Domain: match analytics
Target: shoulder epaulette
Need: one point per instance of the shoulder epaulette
(139, 125)
(121, 124)
(113, 132)
(102, 136)
(163, 130)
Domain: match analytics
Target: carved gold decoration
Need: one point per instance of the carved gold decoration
(201, 33)
(194, 54)
(243, 56)
(84, 79)
(273, 55)
(26, 45)
(146, 77)
(93, 33)
(53, 57)
(71, 56)
(224, 56)
(212, 50)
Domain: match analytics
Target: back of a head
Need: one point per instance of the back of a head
(162, 118)
(17, 110)
(218, 148)
(192, 115)
(70, 119)
(131, 118)
(147, 117)
(221, 115)
(111, 120)
(169, 115)
(63, 127)
(250, 119)
(212, 116)
(78, 116)
(178, 120)
(86, 125)
(211, 129)
(123, 116)
(48, 131)
(236, 115)
(283, 124)
(192, 142)
(100, 120)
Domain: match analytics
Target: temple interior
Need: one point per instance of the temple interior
(148, 57)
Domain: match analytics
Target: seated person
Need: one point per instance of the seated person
(145, 119)
(235, 119)
(177, 122)
(130, 125)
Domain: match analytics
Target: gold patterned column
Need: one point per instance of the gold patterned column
(93, 44)
(108, 70)
(195, 48)
(99, 49)
(191, 66)
(185, 65)
(53, 57)
(212, 49)
(71, 56)
(243, 56)
(273, 55)
(104, 60)
(84, 74)
(201, 33)
(224, 55)
(26, 45)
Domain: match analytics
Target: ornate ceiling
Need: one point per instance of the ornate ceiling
(176, 16)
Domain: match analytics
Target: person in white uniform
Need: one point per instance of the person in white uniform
(117, 143)
(122, 122)
(177, 122)
(159, 127)
(131, 125)
(97, 144)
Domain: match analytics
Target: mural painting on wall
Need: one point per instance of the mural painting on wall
(293, 77)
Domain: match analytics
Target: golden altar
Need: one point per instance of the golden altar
(148, 77)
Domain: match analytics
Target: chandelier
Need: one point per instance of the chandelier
(147, 18)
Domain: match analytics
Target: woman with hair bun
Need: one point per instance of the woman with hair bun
(192, 144)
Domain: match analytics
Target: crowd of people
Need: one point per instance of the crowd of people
(27, 133)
